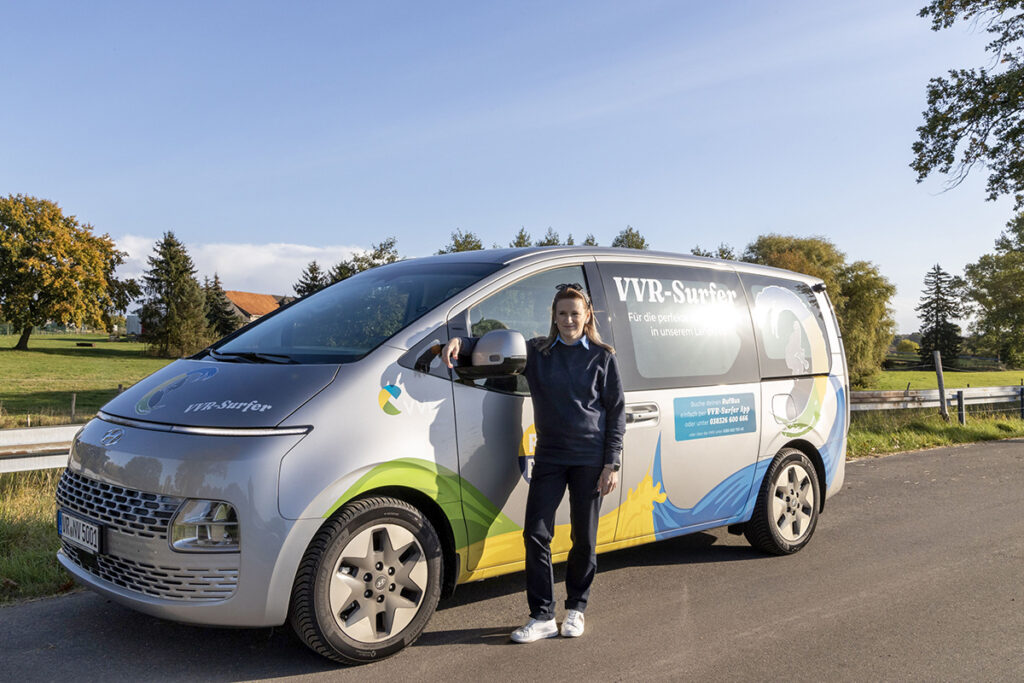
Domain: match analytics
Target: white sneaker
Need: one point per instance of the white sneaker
(535, 630)
(572, 627)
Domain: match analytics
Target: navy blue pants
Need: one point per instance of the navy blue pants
(547, 487)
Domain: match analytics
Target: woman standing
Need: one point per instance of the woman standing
(579, 413)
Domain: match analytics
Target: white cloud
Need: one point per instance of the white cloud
(262, 268)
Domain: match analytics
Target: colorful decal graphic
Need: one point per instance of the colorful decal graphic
(151, 401)
(698, 417)
(384, 399)
(723, 502)
(527, 447)
(834, 449)
(789, 330)
(803, 406)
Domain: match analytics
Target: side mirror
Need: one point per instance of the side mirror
(499, 353)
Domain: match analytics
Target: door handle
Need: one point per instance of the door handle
(642, 413)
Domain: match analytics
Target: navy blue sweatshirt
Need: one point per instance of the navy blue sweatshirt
(579, 409)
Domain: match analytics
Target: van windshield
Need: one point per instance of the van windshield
(344, 322)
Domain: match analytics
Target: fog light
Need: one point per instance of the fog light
(205, 526)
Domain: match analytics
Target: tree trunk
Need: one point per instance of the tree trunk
(22, 344)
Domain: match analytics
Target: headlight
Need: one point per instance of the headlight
(205, 526)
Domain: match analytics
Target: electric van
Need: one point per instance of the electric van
(323, 467)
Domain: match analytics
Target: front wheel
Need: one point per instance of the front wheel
(786, 511)
(368, 583)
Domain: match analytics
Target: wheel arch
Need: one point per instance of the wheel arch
(808, 449)
(442, 525)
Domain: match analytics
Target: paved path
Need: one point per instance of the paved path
(916, 572)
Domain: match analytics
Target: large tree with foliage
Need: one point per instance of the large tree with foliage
(173, 312)
(859, 292)
(630, 238)
(975, 117)
(462, 241)
(312, 280)
(221, 316)
(522, 239)
(53, 268)
(378, 255)
(941, 304)
(995, 295)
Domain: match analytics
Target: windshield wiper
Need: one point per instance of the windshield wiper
(251, 357)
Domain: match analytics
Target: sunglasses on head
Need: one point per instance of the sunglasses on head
(573, 286)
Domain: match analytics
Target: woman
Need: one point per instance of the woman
(579, 414)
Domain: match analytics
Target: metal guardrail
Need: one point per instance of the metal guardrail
(35, 448)
(931, 398)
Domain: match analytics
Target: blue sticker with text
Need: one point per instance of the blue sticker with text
(698, 417)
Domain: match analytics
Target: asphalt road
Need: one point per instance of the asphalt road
(916, 572)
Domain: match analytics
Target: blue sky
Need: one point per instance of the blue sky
(268, 134)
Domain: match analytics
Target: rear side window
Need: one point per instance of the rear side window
(789, 326)
(687, 326)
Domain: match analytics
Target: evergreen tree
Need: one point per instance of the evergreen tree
(462, 241)
(724, 251)
(173, 311)
(630, 238)
(522, 239)
(550, 239)
(590, 241)
(940, 305)
(220, 314)
(312, 280)
(381, 254)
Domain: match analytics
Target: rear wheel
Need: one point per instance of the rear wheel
(786, 512)
(368, 583)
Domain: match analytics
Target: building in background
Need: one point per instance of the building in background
(251, 306)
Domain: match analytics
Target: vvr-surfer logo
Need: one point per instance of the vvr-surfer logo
(527, 447)
(385, 398)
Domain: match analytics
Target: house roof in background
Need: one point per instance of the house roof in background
(253, 304)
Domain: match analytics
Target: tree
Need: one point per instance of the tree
(630, 238)
(462, 241)
(379, 255)
(724, 251)
(907, 346)
(975, 117)
(941, 303)
(550, 239)
(53, 268)
(590, 240)
(522, 239)
(312, 280)
(860, 294)
(221, 316)
(173, 313)
(995, 295)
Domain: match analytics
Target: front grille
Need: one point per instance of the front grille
(172, 583)
(148, 516)
(131, 512)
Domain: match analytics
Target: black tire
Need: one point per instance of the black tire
(786, 512)
(354, 591)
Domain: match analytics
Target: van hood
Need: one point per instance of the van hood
(199, 393)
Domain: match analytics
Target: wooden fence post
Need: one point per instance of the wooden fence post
(73, 397)
(943, 407)
(961, 413)
(1022, 400)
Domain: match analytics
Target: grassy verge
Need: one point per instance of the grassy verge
(28, 536)
(891, 431)
(36, 385)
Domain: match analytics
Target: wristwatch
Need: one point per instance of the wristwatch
(614, 467)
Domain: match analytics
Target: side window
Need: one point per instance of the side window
(789, 325)
(524, 306)
(687, 326)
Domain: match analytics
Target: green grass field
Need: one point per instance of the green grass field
(890, 380)
(36, 385)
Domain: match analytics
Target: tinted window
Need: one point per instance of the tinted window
(348, 320)
(687, 326)
(789, 325)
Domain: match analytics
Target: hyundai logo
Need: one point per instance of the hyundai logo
(112, 436)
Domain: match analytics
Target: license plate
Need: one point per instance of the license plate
(76, 530)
